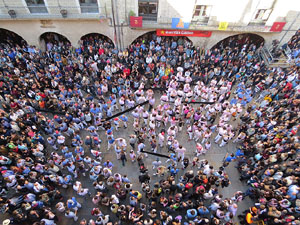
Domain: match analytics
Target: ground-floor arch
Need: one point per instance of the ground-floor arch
(11, 38)
(244, 38)
(151, 35)
(48, 40)
(91, 38)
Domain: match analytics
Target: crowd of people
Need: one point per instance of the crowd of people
(268, 158)
(52, 99)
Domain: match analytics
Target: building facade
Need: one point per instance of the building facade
(73, 19)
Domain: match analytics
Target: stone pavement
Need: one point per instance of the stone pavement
(215, 157)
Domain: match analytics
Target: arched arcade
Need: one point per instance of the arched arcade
(48, 40)
(11, 38)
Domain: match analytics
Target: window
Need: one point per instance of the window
(89, 6)
(262, 15)
(36, 6)
(148, 9)
(201, 13)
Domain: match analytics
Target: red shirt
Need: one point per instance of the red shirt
(289, 86)
(42, 95)
(126, 71)
(101, 51)
(13, 105)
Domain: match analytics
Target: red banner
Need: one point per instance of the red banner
(277, 26)
(136, 21)
(190, 33)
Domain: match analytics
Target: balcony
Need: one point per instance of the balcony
(54, 12)
(89, 8)
(282, 61)
(37, 8)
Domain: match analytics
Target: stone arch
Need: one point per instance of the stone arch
(152, 34)
(11, 37)
(86, 38)
(52, 38)
(242, 39)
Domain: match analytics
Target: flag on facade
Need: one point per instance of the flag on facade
(223, 26)
(179, 23)
(136, 21)
(277, 26)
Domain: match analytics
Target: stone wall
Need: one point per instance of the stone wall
(32, 26)
(73, 30)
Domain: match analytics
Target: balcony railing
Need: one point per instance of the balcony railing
(52, 12)
(89, 8)
(149, 17)
(272, 61)
(37, 8)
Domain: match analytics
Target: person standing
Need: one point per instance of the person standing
(110, 143)
(132, 140)
(155, 165)
(180, 152)
(123, 157)
(161, 139)
(71, 214)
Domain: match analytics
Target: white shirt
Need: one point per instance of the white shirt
(48, 222)
(149, 60)
(221, 131)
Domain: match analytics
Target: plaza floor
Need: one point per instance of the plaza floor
(215, 157)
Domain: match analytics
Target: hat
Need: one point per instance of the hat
(116, 119)
(253, 209)
(179, 69)
(187, 73)
(6, 222)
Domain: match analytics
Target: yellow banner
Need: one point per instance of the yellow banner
(223, 25)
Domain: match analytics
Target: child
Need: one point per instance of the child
(136, 127)
(199, 150)
(165, 120)
(207, 146)
(153, 144)
(132, 156)
(180, 124)
(206, 136)
(190, 132)
(195, 162)
(117, 123)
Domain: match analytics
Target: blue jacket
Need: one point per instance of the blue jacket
(189, 213)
